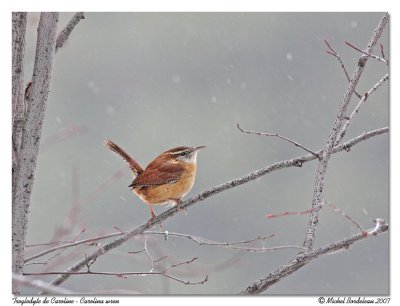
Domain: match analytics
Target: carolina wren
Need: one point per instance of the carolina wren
(168, 178)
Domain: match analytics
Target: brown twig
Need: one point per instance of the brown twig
(290, 213)
(62, 135)
(333, 52)
(333, 206)
(383, 54)
(281, 137)
(91, 241)
(368, 53)
(342, 213)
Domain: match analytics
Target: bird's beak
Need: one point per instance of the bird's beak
(198, 148)
(195, 150)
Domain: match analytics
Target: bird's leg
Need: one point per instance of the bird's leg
(153, 214)
(178, 204)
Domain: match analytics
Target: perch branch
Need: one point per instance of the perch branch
(211, 192)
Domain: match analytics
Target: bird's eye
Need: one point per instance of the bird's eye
(183, 154)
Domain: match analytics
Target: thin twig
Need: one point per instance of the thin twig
(161, 258)
(180, 264)
(211, 192)
(368, 53)
(333, 206)
(229, 245)
(342, 213)
(199, 240)
(333, 52)
(46, 261)
(358, 106)
(383, 54)
(119, 274)
(281, 137)
(91, 241)
(62, 135)
(146, 250)
(290, 213)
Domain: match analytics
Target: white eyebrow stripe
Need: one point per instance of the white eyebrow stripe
(178, 152)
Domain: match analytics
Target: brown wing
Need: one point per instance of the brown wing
(158, 175)
(135, 167)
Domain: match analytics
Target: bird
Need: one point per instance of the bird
(166, 180)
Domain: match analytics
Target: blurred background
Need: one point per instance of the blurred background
(153, 81)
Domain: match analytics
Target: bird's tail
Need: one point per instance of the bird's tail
(135, 167)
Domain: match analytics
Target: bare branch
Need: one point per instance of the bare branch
(383, 54)
(63, 36)
(333, 52)
(208, 193)
(62, 135)
(358, 106)
(303, 259)
(180, 264)
(119, 274)
(146, 250)
(281, 137)
(342, 213)
(72, 244)
(18, 103)
(368, 53)
(230, 245)
(290, 213)
(31, 134)
(39, 284)
(198, 240)
(328, 150)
